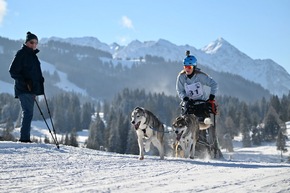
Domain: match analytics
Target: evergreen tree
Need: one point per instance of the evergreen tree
(73, 138)
(257, 135)
(225, 131)
(284, 113)
(132, 144)
(271, 127)
(245, 125)
(281, 140)
(46, 139)
(275, 103)
(86, 114)
(73, 113)
(96, 134)
(123, 125)
(92, 142)
(114, 139)
(66, 139)
(264, 106)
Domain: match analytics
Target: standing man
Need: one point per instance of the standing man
(26, 71)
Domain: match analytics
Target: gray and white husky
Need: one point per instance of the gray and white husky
(186, 128)
(148, 127)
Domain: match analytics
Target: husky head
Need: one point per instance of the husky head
(180, 125)
(138, 117)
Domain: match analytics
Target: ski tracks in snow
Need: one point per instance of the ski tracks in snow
(44, 168)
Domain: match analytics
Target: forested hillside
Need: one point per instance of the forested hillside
(258, 122)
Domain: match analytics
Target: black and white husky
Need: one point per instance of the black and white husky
(187, 128)
(148, 127)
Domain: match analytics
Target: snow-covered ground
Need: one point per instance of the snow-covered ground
(44, 168)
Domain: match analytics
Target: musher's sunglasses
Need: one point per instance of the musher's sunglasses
(188, 67)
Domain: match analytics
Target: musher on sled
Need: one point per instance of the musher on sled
(190, 87)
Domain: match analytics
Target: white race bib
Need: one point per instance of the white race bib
(194, 91)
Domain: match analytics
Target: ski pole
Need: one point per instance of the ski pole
(48, 110)
(54, 138)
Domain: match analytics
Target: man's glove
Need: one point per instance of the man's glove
(29, 84)
(185, 99)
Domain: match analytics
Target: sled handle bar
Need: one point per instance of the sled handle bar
(194, 101)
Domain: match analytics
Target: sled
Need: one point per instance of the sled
(207, 143)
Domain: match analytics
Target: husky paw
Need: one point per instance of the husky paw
(141, 158)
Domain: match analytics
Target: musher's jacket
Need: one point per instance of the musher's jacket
(194, 87)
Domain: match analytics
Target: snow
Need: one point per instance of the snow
(44, 168)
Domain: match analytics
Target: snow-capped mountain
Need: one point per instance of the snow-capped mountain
(219, 55)
(83, 41)
(222, 56)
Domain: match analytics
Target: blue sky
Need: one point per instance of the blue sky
(259, 28)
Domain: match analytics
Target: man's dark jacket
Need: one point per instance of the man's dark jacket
(25, 70)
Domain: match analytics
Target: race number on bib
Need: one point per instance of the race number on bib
(194, 90)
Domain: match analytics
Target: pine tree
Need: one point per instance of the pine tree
(284, 108)
(66, 139)
(114, 139)
(73, 138)
(86, 113)
(92, 142)
(132, 144)
(271, 127)
(96, 137)
(245, 125)
(281, 140)
(123, 125)
(257, 135)
(46, 139)
(275, 103)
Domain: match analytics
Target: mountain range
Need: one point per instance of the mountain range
(102, 70)
(219, 55)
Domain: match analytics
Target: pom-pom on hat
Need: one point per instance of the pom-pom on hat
(30, 36)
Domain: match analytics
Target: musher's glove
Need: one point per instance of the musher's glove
(211, 101)
(185, 99)
(211, 97)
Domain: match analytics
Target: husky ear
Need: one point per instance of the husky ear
(138, 108)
